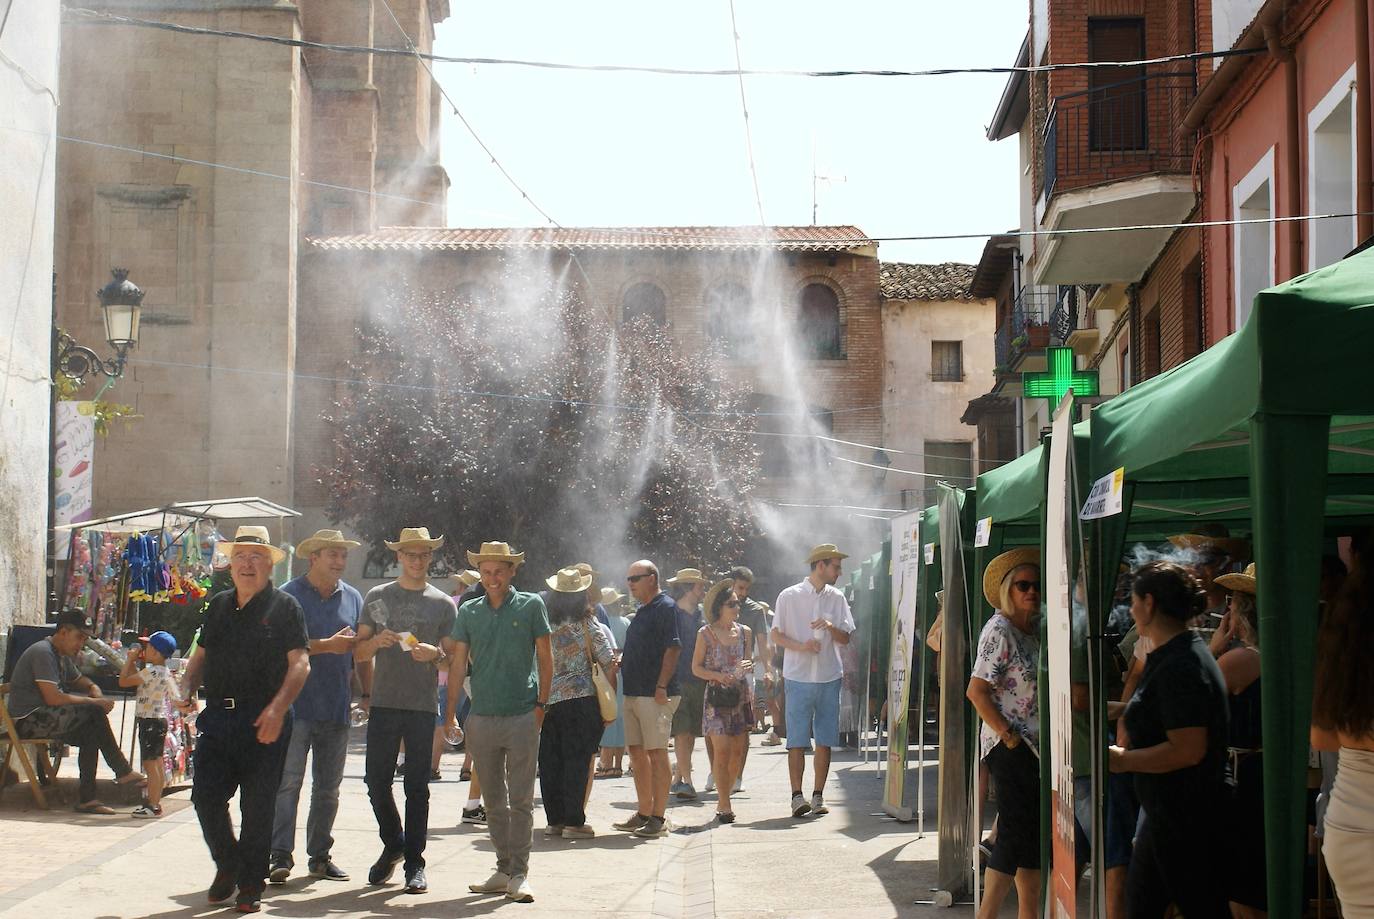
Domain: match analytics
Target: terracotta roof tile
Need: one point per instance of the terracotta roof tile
(814, 239)
(907, 281)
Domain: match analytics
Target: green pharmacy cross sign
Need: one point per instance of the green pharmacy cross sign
(1053, 383)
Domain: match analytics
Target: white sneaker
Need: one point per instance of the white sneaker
(578, 832)
(710, 784)
(772, 740)
(739, 785)
(553, 830)
(519, 890)
(497, 883)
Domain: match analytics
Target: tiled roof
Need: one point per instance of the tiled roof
(812, 239)
(906, 281)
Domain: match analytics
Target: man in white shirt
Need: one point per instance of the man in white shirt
(810, 621)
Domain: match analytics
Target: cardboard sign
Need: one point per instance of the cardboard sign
(983, 535)
(1104, 500)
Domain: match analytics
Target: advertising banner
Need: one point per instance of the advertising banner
(1057, 597)
(906, 566)
(74, 452)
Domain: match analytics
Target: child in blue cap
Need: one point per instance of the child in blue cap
(156, 689)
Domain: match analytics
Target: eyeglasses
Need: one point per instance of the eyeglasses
(730, 604)
(418, 556)
(251, 558)
(1026, 586)
(635, 578)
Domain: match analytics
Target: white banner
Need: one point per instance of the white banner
(906, 567)
(982, 536)
(72, 457)
(1056, 598)
(1104, 499)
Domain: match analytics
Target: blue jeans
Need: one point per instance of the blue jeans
(386, 728)
(329, 740)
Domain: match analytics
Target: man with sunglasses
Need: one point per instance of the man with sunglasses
(810, 621)
(648, 672)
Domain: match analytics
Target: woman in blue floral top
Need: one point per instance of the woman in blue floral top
(572, 729)
(1003, 690)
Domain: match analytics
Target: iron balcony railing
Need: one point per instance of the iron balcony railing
(1025, 328)
(1118, 131)
(1064, 318)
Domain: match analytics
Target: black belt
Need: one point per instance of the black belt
(230, 703)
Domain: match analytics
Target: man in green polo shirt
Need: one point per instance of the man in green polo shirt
(504, 633)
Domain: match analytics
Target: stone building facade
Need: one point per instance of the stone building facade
(302, 142)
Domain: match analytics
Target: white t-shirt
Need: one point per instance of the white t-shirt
(156, 690)
(798, 606)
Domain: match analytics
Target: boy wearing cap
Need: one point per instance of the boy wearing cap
(155, 691)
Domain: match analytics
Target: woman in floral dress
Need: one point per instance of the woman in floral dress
(722, 659)
(1003, 690)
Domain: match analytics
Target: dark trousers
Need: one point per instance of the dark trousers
(386, 728)
(1016, 773)
(229, 759)
(83, 726)
(1179, 865)
(569, 739)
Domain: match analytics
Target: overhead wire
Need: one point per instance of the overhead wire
(744, 106)
(102, 17)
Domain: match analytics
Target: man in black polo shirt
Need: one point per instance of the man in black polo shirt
(252, 660)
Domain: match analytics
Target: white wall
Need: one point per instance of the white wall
(28, 118)
(1229, 19)
(920, 409)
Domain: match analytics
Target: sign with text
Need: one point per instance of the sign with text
(74, 451)
(906, 567)
(983, 534)
(1104, 499)
(1057, 599)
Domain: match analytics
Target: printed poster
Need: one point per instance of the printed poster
(906, 566)
(72, 475)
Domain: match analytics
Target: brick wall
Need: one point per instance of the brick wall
(1168, 297)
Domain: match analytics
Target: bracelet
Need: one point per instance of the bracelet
(366, 695)
(538, 704)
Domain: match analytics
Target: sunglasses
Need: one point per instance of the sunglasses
(1026, 586)
(730, 604)
(636, 578)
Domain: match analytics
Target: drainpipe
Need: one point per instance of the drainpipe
(1292, 133)
(1364, 157)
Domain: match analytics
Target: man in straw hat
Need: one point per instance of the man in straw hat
(810, 621)
(321, 711)
(405, 626)
(687, 587)
(505, 635)
(648, 673)
(253, 658)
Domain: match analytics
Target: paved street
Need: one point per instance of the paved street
(850, 862)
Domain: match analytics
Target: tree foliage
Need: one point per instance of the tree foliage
(530, 418)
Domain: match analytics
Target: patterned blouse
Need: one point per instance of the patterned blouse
(572, 675)
(1007, 658)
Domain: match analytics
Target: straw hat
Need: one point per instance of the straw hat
(824, 551)
(688, 576)
(251, 536)
(415, 536)
(467, 577)
(495, 552)
(610, 597)
(324, 539)
(1245, 583)
(711, 595)
(569, 581)
(1003, 565)
(1237, 549)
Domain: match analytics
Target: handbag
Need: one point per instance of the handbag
(718, 696)
(605, 695)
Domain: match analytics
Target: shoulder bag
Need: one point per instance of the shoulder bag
(605, 695)
(718, 696)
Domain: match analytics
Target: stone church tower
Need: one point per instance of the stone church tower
(308, 142)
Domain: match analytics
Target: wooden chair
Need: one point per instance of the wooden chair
(17, 746)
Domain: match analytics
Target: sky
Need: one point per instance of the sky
(598, 149)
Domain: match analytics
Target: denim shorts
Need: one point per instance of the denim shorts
(813, 709)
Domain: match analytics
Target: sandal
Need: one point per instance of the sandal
(95, 807)
(615, 772)
(465, 775)
(601, 771)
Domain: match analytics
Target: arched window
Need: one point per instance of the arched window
(645, 299)
(729, 318)
(819, 323)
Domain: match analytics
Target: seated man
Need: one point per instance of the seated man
(50, 698)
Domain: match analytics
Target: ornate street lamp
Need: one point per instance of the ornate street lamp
(121, 302)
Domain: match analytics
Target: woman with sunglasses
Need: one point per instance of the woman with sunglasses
(1002, 689)
(722, 659)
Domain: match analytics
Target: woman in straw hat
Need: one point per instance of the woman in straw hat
(1236, 647)
(1003, 690)
(721, 659)
(611, 765)
(1343, 719)
(573, 727)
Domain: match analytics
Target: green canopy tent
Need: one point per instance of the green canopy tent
(1274, 424)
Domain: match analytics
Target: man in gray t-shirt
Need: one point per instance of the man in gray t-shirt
(405, 627)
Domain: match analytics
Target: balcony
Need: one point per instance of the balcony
(1113, 156)
(1025, 331)
(1070, 322)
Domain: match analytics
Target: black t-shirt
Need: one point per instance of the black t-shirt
(652, 632)
(1181, 687)
(245, 649)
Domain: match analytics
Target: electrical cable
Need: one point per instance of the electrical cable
(744, 106)
(102, 18)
